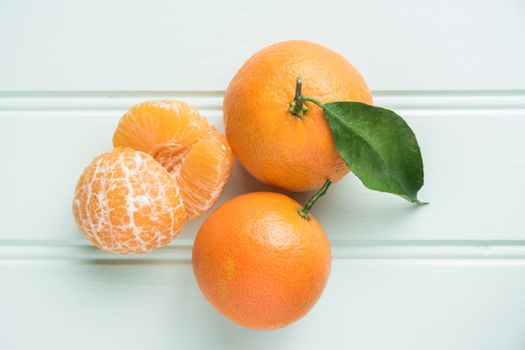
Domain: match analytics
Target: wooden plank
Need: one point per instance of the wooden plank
(64, 304)
(473, 154)
(199, 45)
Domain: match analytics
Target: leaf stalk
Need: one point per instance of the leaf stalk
(311, 99)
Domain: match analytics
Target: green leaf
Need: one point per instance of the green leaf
(378, 146)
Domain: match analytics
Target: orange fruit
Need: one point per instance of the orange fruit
(274, 145)
(126, 202)
(196, 155)
(259, 262)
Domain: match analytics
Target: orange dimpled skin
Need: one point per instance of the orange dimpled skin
(126, 202)
(196, 155)
(259, 262)
(275, 146)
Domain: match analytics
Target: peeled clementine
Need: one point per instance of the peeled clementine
(274, 145)
(259, 262)
(126, 202)
(196, 155)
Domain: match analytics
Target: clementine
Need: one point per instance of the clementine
(196, 155)
(259, 262)
(126, 202)
(274, 145)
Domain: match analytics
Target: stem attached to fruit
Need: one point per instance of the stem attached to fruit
(304, 212)
(297, 106)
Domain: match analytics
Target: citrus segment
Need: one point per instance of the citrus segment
(204, 172)
(159, 126)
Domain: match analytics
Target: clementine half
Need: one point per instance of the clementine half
(126, 202)
(196, 155)
(275, 146)
(259, 262)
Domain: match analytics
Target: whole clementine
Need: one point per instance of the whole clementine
(275, 146)
(259, 262)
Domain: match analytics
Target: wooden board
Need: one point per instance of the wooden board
(198, 45)
(450, 275)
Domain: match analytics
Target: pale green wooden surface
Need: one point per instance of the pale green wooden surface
(446, 276)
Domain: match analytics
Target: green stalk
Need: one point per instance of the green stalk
(311, 99)
(304, 211)
(297, 106)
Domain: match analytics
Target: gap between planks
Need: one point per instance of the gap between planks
(180, 250)
(12, 101)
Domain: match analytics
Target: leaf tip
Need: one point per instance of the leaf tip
(418, 202)
(413, 199)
